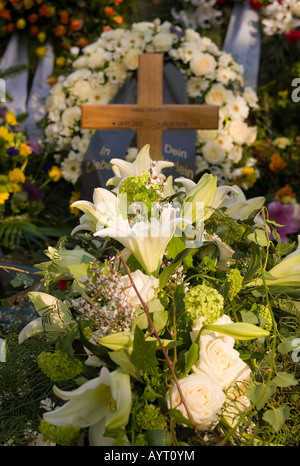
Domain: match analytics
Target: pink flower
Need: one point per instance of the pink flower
(283, 215)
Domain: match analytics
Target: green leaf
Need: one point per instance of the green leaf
(144, 352)
(284, 379)
(277, 417)
(179, 417)
(254, 263)
(192, 357)
(166, 273)
(259, 391)
(122, 359)
(175, 246)
(158, 438)
(258, 237)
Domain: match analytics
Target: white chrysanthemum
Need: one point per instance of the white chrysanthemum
(213, 153)
(71, 167)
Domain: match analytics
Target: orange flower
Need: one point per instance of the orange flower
(75, 25)
(33, 18)
(82, 42)
(285, 195)
(60, 30)
(33, 31)
(44, 10)
(117, 2)
(109, 11)
(277, 163)
(6, 15)
(106, 28)
(52, 80)
(65, 45)
(64, 17)
(14, 3)
(10, 28)
(118, 19)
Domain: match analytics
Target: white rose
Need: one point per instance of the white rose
(238, 131)
(96, 60)
(220, 361)
(162, 42)
(235, 154)
(81, 90)
(296, 9)
(145, 285)
(71, 115)
(203, 64)
(216, 95)
(225, 319)
(131, 59)
(80, 62)
(213, 153)
(203, 396)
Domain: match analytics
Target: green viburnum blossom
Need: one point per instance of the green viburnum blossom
(141, 189)
(59, 366)
(235, 281)
(103, 404)
(204, 301)
(65, 436)
(149, 417)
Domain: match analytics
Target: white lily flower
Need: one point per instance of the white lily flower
(147, 241)
(122, 169)
(240, 208)
(55, 317)
(286, 273)
(104, 206)
(61, 259)
(102, 404)
(205, 191)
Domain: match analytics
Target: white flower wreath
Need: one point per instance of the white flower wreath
(212, 77)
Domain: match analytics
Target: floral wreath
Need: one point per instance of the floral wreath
(212, 77)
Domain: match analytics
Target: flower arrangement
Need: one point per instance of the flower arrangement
(26, 177)
(201, 14)
(279, 17)
(65, 25)
(170, 326)
(212, 77)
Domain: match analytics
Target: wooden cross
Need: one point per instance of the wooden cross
(149, 117)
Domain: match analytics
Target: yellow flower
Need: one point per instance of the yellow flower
(60, 61)
(28, 4)
(75, 196)
(3, 197)
(21, 23)
(277, 163)
(42, 37)
(15, 188)
(6, 135)
(247, 177)
(11, 118)
(16, 176)
(55, 173)
(41, 52)
(2, 5)
(24, 150)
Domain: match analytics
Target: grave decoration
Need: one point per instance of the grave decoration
(166, 318)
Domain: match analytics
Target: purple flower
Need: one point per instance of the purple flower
(16, 128)
(283, 215)
(2, 112)
(34, 192)
(34, 147)
(12, 151)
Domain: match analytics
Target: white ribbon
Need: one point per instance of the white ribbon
(39, 92)
(242, 41)
(16, 86)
